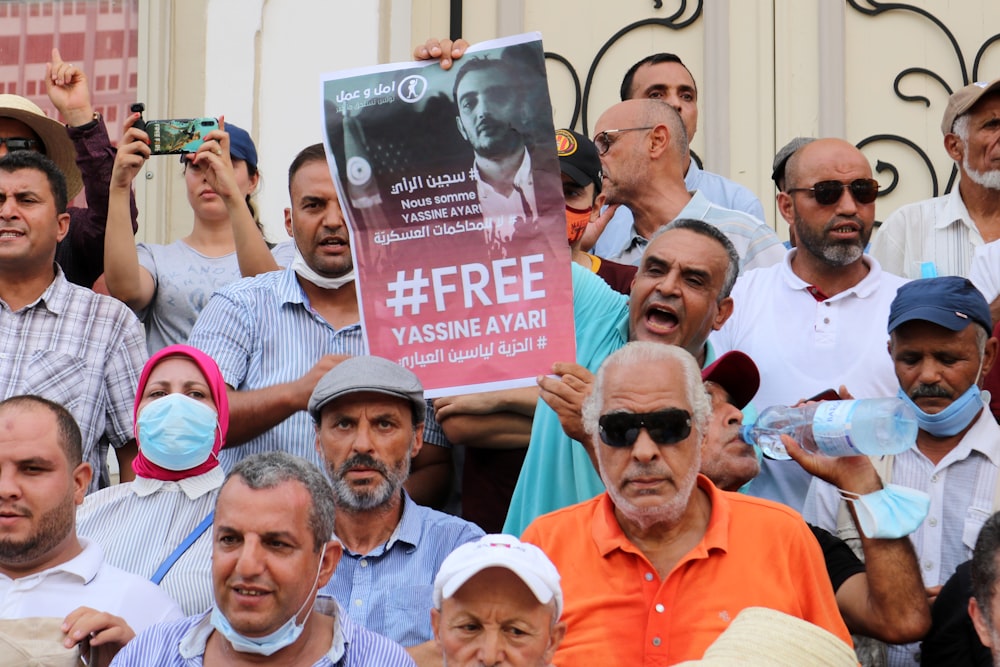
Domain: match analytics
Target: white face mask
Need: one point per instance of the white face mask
(306, 272)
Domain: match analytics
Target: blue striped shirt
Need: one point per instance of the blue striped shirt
(390, 590)
(139, 524)
(262, 332)
(182, 644)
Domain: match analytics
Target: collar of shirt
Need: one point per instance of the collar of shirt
(955, 213)
(84, 565)
(695, 208)
(193, 487)
(192, 644)
(983, 437)
(56, 296)
(407, 532)
(609, 536)
(865, 288)
(522, 177)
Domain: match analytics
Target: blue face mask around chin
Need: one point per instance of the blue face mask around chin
(281, 638)
(954, 418)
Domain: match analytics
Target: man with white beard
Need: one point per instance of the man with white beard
(943, 232)
(369, 416)
(654, 568)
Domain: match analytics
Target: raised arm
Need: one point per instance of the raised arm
(252, 252)
(126, 280)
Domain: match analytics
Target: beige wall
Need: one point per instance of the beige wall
(768, 70)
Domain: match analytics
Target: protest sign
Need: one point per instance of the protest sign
(451, 186)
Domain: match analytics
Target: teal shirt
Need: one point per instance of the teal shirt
(557, 471)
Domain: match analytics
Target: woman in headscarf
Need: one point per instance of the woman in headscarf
(160, 525)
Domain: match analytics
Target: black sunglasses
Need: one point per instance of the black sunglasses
(665, 427)
(19, 143)
(864, 191)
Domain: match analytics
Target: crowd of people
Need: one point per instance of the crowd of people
(281, 491)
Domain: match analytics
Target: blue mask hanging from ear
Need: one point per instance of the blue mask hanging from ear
(954, 418)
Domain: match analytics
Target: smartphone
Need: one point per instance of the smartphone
(825, 395)
(180, 135)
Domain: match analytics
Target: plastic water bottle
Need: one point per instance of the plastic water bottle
(872, 427)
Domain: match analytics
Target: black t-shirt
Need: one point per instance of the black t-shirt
(952, 639)
(841, 563)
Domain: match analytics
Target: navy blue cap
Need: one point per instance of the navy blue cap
(241, 145)
(949, 301)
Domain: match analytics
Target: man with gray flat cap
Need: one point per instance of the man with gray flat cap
(369, 417)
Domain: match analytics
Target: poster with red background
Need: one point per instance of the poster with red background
(451, 185)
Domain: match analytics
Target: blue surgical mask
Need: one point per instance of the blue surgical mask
(890, 513)
(954, 418)
(177, 432)
(284, 636)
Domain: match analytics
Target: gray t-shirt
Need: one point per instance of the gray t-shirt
(184, 281)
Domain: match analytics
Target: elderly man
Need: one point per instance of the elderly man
(679, 295)
(58, 340)
(497, 601)
(940, 234)
(655, 568)
(642, 144)
(369, 416)
(247, 326)
(83, 152)
(46, 570)
(812, 321)
(940, 347)
(663, 76)
(272, 553)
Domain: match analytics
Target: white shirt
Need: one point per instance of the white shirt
(985, 270)
(87, 581)
(503, 214)
(803, 346)
(962, 487)
(937, 230)
(139, 524)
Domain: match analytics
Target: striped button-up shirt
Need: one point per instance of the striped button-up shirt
(182, 644)
(390, 590)
(82, 350)
(262, 332)
(140, 524)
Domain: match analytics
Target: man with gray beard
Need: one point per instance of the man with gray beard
(654, 568)
(369, 416)
(814, 321)
(943, 232)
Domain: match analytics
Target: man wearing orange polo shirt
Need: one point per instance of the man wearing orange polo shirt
(655, 568)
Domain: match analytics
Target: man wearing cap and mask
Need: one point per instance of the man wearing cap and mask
(272, 551)
(497, 601)
(938, 236)
(940, 347)
(83, 152)
(655, 568)
(369, 416)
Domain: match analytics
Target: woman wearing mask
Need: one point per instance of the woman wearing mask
(159, 526)
(168, 285)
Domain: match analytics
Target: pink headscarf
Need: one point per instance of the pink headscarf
(142, 466)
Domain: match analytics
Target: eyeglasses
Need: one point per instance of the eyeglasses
(603, 141)
(19, 143)
(864, 191)
(665, 427)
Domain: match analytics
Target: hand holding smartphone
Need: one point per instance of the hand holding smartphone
(174, 136)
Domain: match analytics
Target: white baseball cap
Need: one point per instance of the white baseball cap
(527, 561)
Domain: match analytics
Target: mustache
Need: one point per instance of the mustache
(929, 391)
(362, 461)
